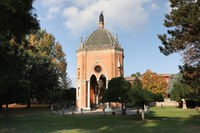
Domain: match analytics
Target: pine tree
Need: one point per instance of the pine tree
(183, 23)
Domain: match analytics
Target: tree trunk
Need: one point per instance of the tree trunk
(6, 110)
(28, 100)
(1, 107)
(197, 105)
(138, 110)
(6, 106)
(122, 109)
(143, 117)
(28, 104)
(51, 107)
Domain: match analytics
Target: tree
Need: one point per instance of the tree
(43, 44)
(16, 21)
(177, 89)
(183, 37)
(137, 74)
(142, 97)
(47, 70)
(154, 83)
(191, 77)
(180, 91)
(70, 96)
(174, 78)
(118, 91)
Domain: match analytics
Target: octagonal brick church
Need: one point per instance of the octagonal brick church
(99, 59)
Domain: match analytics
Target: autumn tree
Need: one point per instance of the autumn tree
(154, 83)
(183, 36)
(48, 67)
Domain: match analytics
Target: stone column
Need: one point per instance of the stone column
(97, 92)
(107, 104)
(88, 95)
(107, 84)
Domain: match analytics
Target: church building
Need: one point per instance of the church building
(99, 59)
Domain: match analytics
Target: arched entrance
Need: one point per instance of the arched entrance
(93, 91)
(97, 90)
(102, 86)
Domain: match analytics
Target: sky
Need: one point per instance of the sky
(137, 24)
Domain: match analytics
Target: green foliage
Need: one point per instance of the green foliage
(180, 91)
(70, 96)
(137, 74)
(16, 21)
(118, 89)
(140, 96)
(183, 23)
(47, 71)
(173, 80)
(191, 77)
(183, 37)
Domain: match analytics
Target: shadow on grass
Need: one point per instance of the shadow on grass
(157, 121)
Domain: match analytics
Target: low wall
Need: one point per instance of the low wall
(167, 102)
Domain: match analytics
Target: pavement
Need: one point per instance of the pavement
(71, 111)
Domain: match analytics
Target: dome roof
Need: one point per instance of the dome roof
(101, 39)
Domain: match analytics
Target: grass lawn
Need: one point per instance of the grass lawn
(167, 120)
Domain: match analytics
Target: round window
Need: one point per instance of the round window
(97, 69)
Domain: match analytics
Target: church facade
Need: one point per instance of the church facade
(99, 59)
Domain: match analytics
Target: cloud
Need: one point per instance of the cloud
(154, 7)
(127, 15)
(53, 6)
(83, 3)
(82, 15)
(54, 9)
(52, 2)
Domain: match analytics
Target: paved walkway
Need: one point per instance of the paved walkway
(69, 111)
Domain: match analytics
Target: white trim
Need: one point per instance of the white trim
(88, 94)
(91, 72)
